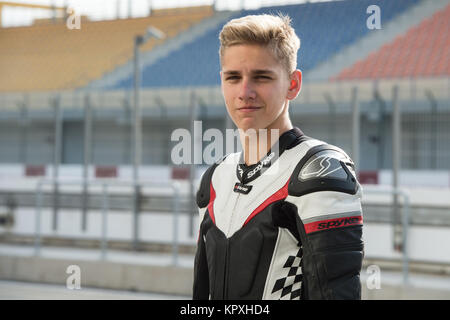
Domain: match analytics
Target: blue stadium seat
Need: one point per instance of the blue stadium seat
(324, 29)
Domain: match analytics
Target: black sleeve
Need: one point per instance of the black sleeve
(201, 273)
(324, 196)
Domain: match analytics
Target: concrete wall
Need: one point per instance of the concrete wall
(178, 280)
(99, 274)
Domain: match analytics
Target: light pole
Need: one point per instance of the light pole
(138, 41)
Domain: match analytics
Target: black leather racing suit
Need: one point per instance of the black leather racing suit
(288, 227)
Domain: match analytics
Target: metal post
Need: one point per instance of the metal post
(396, 154)
(137, 111)
(381, 128)
(192, 168)
(105, 209)
(137, 142)
(56, 159)
(128, 130)
(136, 212)
(433, 129)
(405, 225)
(176, 209)
(24, 123)
(355, 128)
(138, 41)
(86, 159)
(37, 223)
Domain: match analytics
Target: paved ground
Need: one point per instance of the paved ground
(420, 286)
(13, 290)
(145, 258)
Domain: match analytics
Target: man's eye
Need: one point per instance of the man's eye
(263, 78)
(232, 78)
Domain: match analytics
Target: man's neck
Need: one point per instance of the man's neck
(257, 143)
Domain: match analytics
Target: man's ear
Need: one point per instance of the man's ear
(295, 85)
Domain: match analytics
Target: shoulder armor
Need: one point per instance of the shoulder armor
(203, 193)
(323, 168)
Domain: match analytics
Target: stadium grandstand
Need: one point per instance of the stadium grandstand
(338, 50)
(50, 56)
(319, 41)
(423, 51)
(71, 100)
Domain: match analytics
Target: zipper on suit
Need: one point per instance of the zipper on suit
(225, 275)
(232, 214)
(227, 258)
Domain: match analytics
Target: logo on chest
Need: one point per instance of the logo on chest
(242, 188)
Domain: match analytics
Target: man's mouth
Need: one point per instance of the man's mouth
(249, 108)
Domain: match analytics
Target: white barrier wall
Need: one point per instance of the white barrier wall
(146, 173)
(426, 243)
(408, 178)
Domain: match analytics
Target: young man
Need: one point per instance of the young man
(282, 219)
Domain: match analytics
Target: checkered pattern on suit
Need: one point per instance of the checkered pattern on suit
(290, 287)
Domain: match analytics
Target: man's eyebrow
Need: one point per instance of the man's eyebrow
(257, 72)
(263, 71)
(231, 72)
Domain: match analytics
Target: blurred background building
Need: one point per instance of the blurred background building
(90, 94)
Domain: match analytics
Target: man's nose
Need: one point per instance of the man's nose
(247, 91)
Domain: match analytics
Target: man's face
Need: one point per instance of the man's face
(255, 86)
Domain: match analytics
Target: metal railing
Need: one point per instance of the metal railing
(105, 185)
(405, 220)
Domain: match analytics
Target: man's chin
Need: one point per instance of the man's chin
(249, 129)
(249, 124)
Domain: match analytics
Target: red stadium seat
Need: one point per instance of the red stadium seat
(422, 51)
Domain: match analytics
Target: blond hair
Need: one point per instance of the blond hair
(273, 32)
